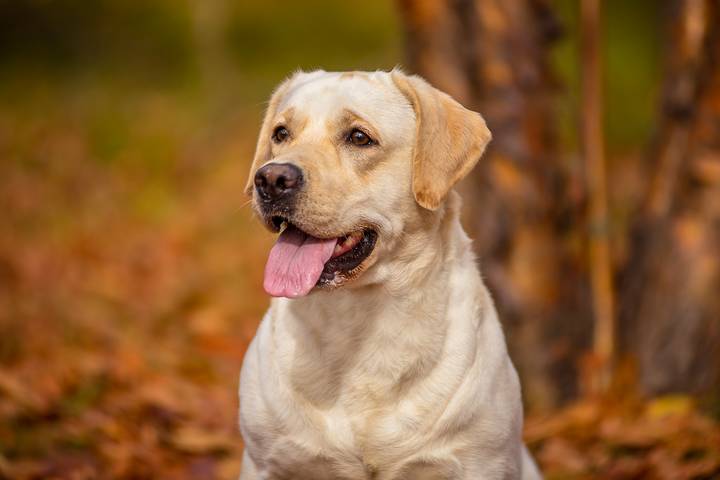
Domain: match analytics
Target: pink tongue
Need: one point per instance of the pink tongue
(295, 263)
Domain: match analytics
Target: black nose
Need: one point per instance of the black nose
(276, 180)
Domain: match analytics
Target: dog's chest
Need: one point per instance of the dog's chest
(377, 444)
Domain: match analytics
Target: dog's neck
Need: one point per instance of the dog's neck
(405, 317)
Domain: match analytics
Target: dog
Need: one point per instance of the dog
(381, 356)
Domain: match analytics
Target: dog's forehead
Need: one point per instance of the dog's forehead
(373, 95)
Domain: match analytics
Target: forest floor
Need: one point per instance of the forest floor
(129, 291)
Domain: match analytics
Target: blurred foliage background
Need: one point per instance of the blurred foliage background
(130, 265)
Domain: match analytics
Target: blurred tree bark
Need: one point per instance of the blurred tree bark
(492, 55)
(671, 284)
(522, 199)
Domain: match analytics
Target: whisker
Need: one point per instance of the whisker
(245, 204)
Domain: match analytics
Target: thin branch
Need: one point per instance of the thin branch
(594, 155)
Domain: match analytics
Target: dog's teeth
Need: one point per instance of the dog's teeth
(283, 226)
(354, 238)
(347, 243)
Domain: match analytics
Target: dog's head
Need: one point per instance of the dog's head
(348, 163)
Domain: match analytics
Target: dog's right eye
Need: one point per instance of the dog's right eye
(361, 139)
(280, 134)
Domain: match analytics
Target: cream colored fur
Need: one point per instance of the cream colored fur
(401, 372)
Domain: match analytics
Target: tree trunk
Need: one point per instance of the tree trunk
(492, 55)
(671, 284)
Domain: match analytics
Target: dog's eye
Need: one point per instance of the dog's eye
(360, 138)
(280, 134)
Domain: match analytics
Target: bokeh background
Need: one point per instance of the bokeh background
(130, 264)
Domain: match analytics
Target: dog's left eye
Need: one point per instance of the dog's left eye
(360, 138)
(280, 134)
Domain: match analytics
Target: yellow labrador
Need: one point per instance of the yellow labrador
(381, 356)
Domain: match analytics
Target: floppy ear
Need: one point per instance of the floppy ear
(262, 150)
(449, 140)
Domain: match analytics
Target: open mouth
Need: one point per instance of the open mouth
(299, 261)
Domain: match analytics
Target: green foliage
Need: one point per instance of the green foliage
(633, 46)
(276, 37)
(150, 39)
(269, 40)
